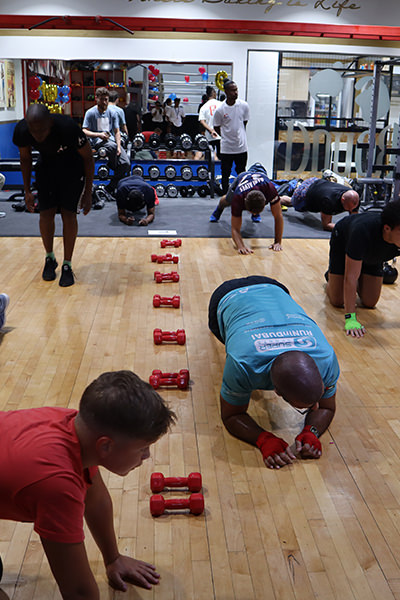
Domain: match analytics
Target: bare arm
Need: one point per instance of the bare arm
(25, 155)
(236, 224)
(88, 165)
(117, 135)
(124, 218)
(151, 212)
(351, 276)
(99, 517)
(276, 211)
(327, 224)
(103, 135)
(208, 128)
(70, 567)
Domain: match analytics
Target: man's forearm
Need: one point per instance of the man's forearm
(90, 134)
(349, 295)
(26, 170)
(237, 238)
(320, 419)
(278, 229)
(99, 518)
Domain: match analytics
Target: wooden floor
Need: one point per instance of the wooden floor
(326, 529)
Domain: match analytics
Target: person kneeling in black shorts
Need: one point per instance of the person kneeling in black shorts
(359, 246)
(64, 175)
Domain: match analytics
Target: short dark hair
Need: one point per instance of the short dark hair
(136, 200)
(255, 201)
(113, 94)
(120, 403)
(391, 214)
(102, 91)
(209, 90)
(227, 82)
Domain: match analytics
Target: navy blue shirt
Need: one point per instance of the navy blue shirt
(128, 184)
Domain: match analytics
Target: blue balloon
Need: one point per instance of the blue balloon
(172, 96)
(204, 76)
(65, 90)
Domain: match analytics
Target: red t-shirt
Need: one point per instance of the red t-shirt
(42, 479)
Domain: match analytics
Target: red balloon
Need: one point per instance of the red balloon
(202, 70)
(151, 68)
(34, 82)
(187, 78)
(34, 94)
(156, 72)
(186, 99)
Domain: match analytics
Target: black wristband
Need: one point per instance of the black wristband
(348, 315)
(315, 431)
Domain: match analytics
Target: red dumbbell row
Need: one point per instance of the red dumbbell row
(164, 258)
(161, 277)
(179, 380)
(175, 243)
(174, 301)
(158, 504)
(158, 482)
(178, 336)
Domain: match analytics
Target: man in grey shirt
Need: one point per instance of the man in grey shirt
(101, 126)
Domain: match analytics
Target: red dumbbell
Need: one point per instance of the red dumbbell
(164, 258)
(158, 300)
(177, 336)
(158, 482)
(161, 277)
(158, 504)
(174, 243)
(180, 380)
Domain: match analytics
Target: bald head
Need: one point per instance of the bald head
(296, 378)
(350, 201)
(39, 122)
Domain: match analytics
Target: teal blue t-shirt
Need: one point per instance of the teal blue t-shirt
(259, 322)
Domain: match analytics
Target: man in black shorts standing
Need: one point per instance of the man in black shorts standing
(133, 194)
(64, 175)
(320, 195)
(251, 190)
(359, 246)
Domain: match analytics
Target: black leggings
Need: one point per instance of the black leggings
(228, 286)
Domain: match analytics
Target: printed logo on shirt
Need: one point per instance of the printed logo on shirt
(296, 339)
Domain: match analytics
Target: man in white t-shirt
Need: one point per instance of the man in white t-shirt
(206, 118)
(230, 120)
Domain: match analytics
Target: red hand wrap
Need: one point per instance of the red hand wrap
(307, 437)
(270, 444)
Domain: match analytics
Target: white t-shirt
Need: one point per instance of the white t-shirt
(231, 120)
(157, 115)
(175, 115)
(207, 114)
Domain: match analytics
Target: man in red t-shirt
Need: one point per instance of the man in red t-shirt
(251, 190)
(49, 475)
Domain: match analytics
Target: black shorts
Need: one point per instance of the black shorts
(337, 257)
(59, 191)
(228, 286)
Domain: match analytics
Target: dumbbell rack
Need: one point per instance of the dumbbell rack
(178, 163)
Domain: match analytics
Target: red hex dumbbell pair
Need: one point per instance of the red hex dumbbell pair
(175, 243)
(164, 258)
(180, 380)
(161, 277)
(158, 504)
(173, 301)
(178, 336)
(158, 482)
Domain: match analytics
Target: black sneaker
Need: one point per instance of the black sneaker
(1, 569)
(49, 271)
(67, 276)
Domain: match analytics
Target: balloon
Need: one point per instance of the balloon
(172, 96)
(202, 70)
(33, 82)
(151, 68)
(65, 90)
(186, 99)
(156, 72)
(34, 94)
(204, 76)
(187, 78)
(65, 98)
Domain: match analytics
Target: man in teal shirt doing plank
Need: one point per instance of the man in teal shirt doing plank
(271, 344)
